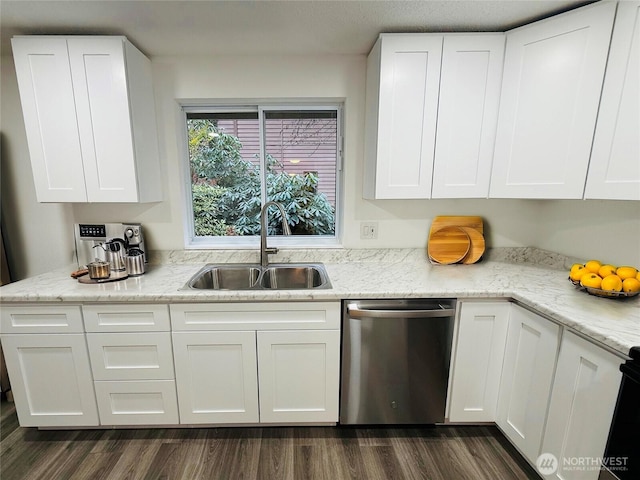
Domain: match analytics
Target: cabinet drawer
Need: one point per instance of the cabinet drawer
(131, 356)
(137, 403)
(126, 318)
(41, 319)
(256, 316)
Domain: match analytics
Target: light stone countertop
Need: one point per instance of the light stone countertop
(542, 286)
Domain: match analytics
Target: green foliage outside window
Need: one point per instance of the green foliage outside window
(226, 189)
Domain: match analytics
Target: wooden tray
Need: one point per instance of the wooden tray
(472, 221)
(114, 277)
(477, 245)
(448, 245)
(472, 225)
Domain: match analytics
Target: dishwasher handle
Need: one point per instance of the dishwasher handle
(356, 312)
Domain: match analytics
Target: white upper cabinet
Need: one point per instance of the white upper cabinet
(48, 107)
(90, 118)
(553, 75)
(614, 171)
(467, 115)
(403, 80)
(418, 84)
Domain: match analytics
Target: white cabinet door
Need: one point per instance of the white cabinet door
(51, 380)
(467, 115)
(48, 105)
(216, 377)
(553, 74)
(584, 397)
(614, 171)
(403, 73)
(89, 117)
(527, 375)
(299, 376)
(102, 105)
(481, 337)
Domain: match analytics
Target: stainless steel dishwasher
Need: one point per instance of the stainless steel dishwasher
(395, 361)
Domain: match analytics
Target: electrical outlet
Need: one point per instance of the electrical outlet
(369, 230)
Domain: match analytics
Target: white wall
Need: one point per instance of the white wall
(574, 228)
(591, 229)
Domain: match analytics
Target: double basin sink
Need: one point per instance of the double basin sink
(289, 276)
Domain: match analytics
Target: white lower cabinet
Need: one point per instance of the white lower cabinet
(282, 367)
(134, 378)
(582, 404)
(555, 391)
(216, 377)
(527, 377)
(299, 375)
(51, 380)
(132, 364)
(477, 366)
(48, 364)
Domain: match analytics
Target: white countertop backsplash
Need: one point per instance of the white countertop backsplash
(532, 277)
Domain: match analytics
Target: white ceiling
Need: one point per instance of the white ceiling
(181, 27)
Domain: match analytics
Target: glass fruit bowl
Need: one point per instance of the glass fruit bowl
(603, 293)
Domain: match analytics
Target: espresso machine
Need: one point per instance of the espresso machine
(90, 239)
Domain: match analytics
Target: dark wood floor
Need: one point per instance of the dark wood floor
(332, 453)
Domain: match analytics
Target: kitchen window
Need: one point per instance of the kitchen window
(241, 157)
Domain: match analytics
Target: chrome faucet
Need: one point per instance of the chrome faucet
(264, 251)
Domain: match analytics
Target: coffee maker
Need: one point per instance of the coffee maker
(89, 236)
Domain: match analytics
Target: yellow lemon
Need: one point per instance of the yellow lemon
(590, 280)
(606, 270)
(593, 266)
(626, 272)
(575, 267)
(631, 285)
(638, 276)
(576, 274)
(611, 283)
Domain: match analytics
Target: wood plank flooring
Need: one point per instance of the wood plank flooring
(278, 453)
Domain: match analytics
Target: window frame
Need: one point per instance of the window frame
(192, 241)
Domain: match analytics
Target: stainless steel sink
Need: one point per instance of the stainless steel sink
(235, 276)
(294, 277)
(225, 277)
